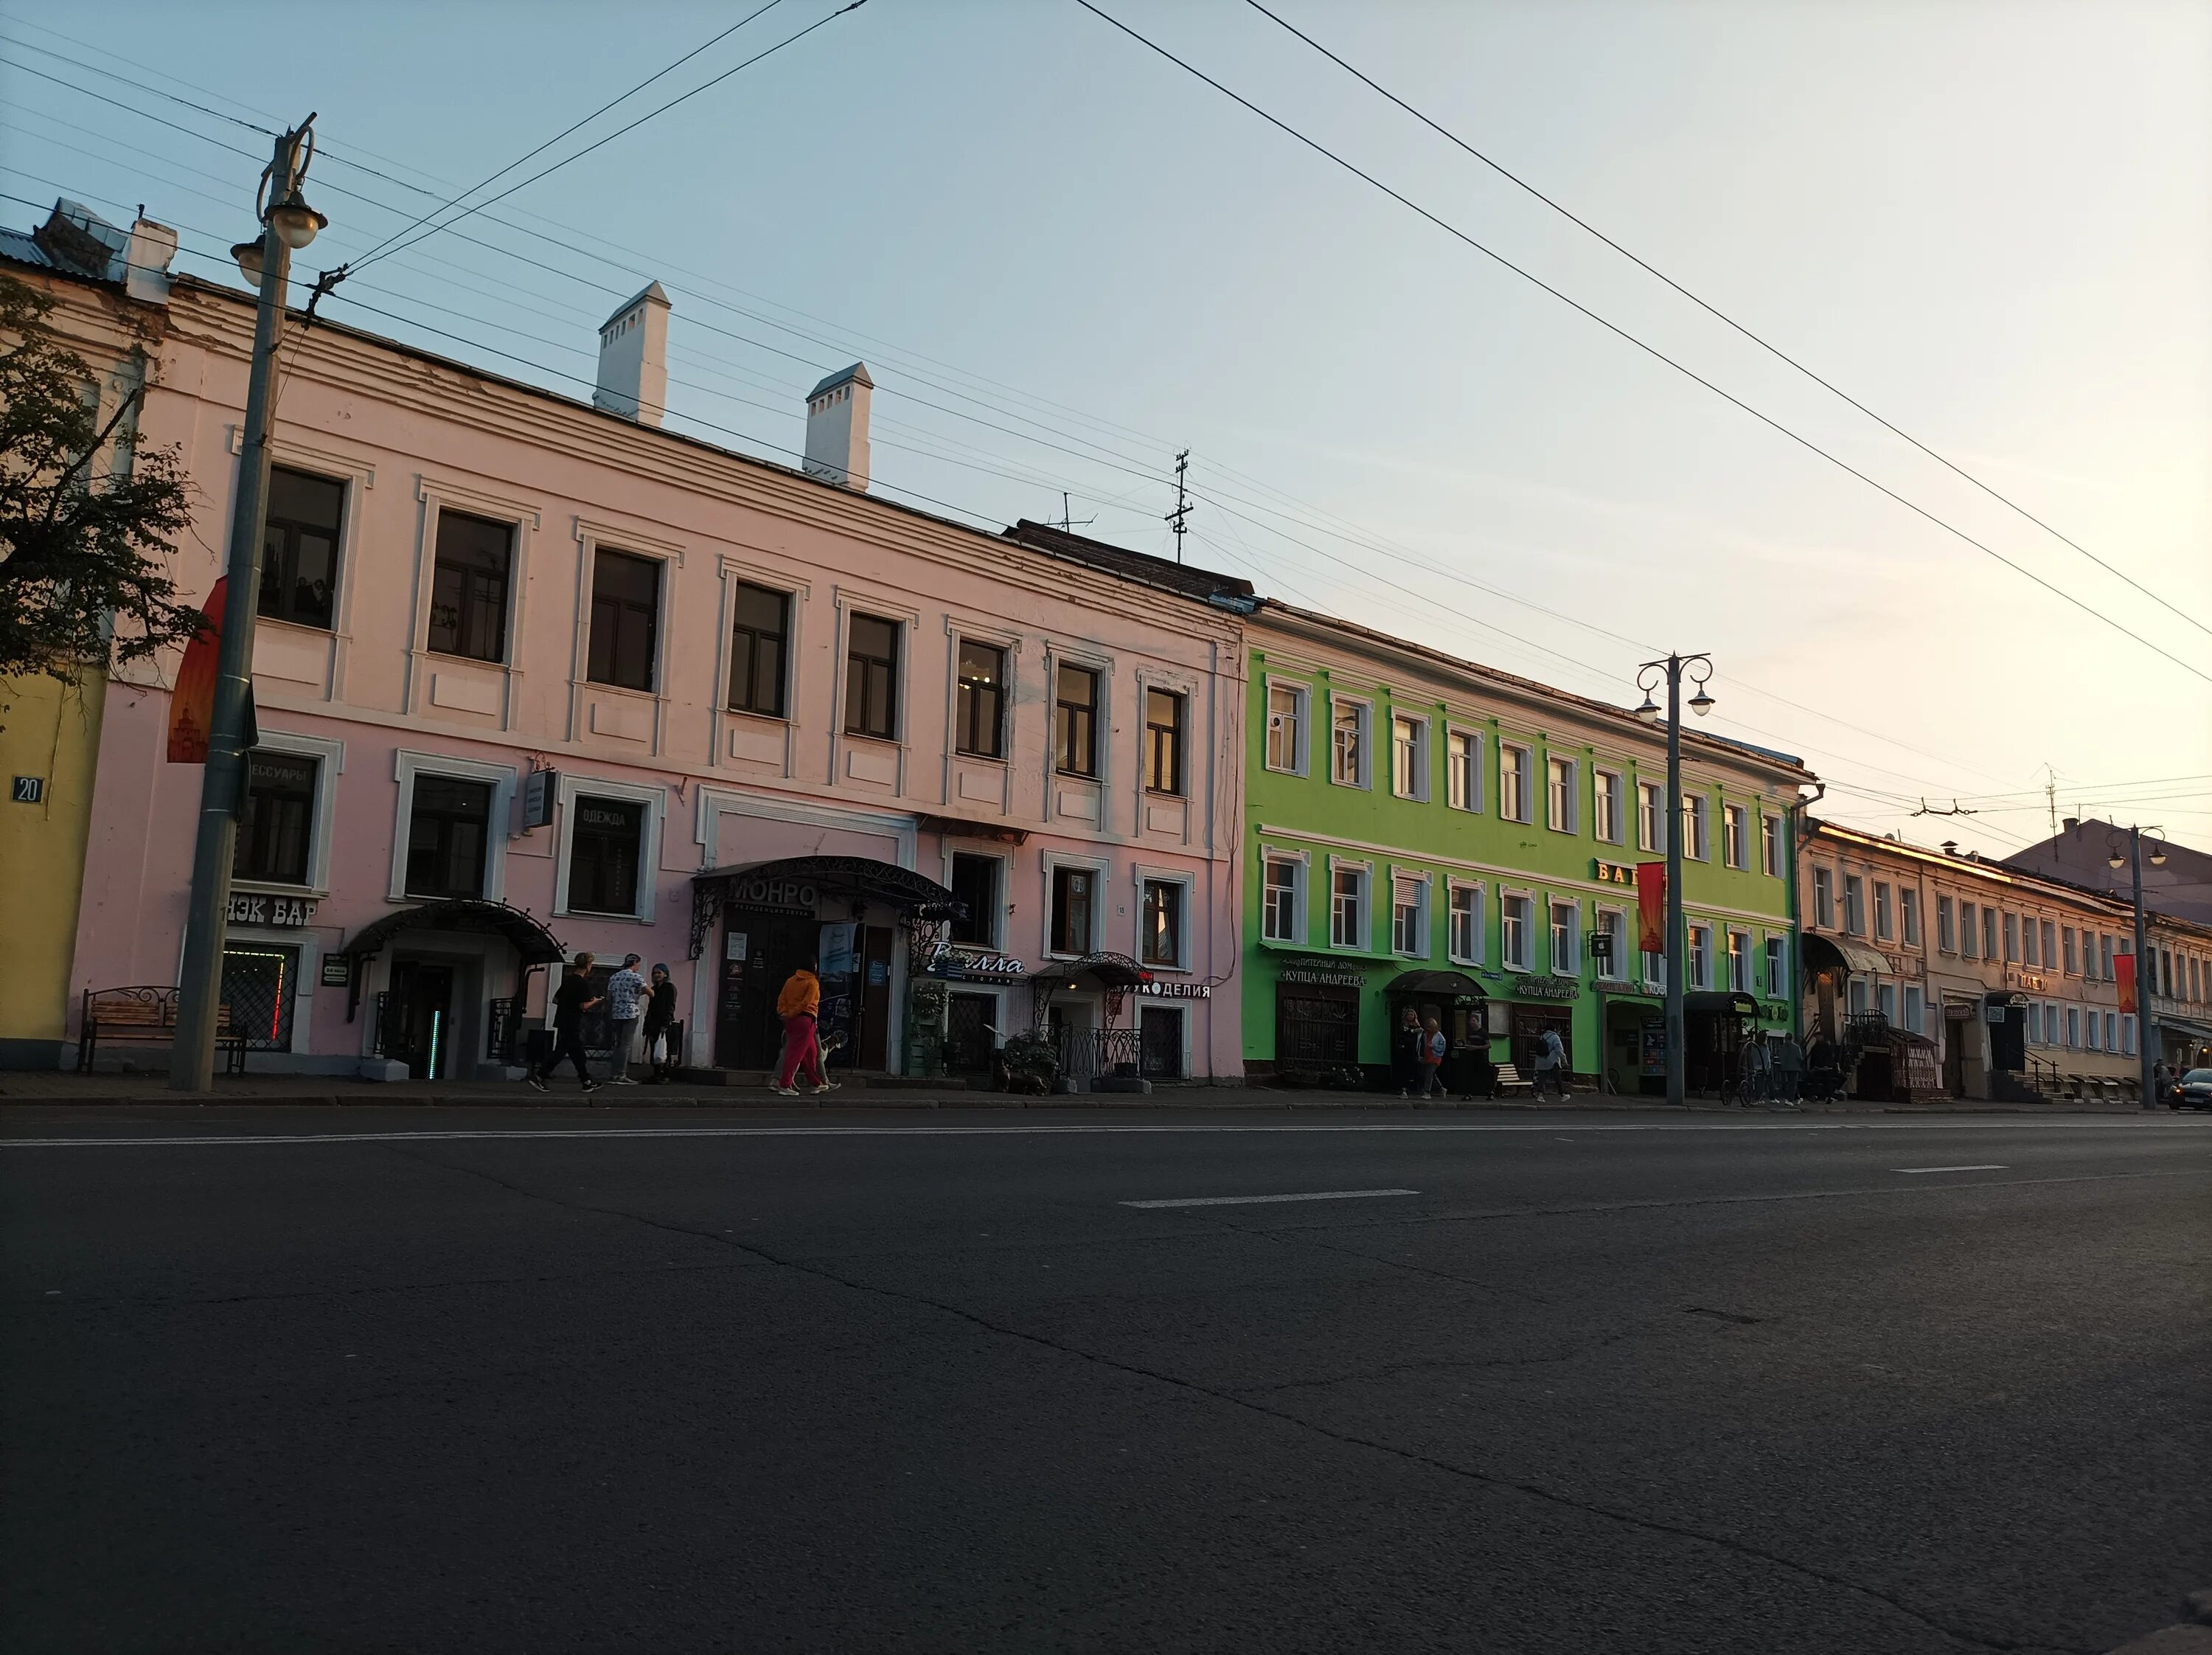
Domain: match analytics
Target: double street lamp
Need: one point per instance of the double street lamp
(288, 224)
(2124, 853)
(1698, 670)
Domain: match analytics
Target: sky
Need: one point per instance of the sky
(1064, 259)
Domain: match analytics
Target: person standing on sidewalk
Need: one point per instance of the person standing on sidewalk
(1433, 1046)
(1551, 1063)
(575, 996)
(660, 1026)
(798, 1005)
(1405, 1052)
(625, 1005)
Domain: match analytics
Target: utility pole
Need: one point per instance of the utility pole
(2146, 968)
(1178, 517)
(1674, 667)
(287, 223)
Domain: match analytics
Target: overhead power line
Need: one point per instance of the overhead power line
(1720, 315)
(1453, 231)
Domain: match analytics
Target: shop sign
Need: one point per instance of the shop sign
(960, 967)
(775, 896)
(1614, 873)
(2030, 980)
(250, 908)
(1547, 988)
(1334, 973)
(539, 789)
(1179, 990)
(337, 971)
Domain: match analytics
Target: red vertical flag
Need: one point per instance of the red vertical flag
(2124, 973)
(192, 703)
(1651, 907)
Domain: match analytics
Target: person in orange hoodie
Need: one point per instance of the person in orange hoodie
(798, 1006)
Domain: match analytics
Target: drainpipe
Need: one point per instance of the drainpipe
(1797, 814)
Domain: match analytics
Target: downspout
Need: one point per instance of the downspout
(1797, 814)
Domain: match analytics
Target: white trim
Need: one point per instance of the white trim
(1455, 729)
(1365, 870)
(1302, 744)
(360, 477)
(330, 756)
(1505, 960)
(1140, 876)
(406, 765)
(1301, 880)
(434, 495)
(1616, 969)
(1620, 804)
(1364, 768)
(1529, 781)
(996, 940)
(1453, 886)
(1423, 756)
(592, 539)
(655, 800)
(1424, 946)
(1100, 868)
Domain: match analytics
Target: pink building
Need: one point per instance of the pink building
(534, 675)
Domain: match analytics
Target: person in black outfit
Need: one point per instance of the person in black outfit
(575, 996)
(660, 1024)
(1406, 1051)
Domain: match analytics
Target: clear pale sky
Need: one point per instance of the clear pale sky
(1991, 223)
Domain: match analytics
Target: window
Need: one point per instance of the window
(1348, 743)
(1566, 938)
(2112, 1030)
(872, 668)
(1770, 845)
(1347, 907)
(2195, 987)
(1073, 893)
(300, 548)
(2066, 937)
(1947, 936)
(2105, 958)
(1853, 905)
(1739, 961)
(1464, 940)
(1164, 742)
(2128, 1034)
(260, 982)
(2164, 984)
(1278, 913)
(1559, 795)
(2011, 938)
(1886, 1002)
(1988, 932)
(1650, 817)
(1409, 758)
(603, 837)
(1824, 898)
(979, 706)
(1463, 759)
(2089, 1031)
(2030, 950)
(446, 836)
(1701, 956)
(1694, 827)
(760, 635)
(625, 619)
(468, 587)
(1969, 933)
(1605, 805)
(1161, 922)
(1409, 900)
(276, 821)
(1514, 803)
(1912, 1012)
(1286, 728)
(975, 882)
(1881, 923)
(1735, 840)
(2073, 1026)
(1075, 721)
(1613, 925)
(1858, 996)
(1908, 913)
(1777, 968)
(1513, 918)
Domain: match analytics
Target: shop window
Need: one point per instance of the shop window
(1164, 742)
(1278, 921)
(1075, 721)
(300, 548)
(1857, 1000)
(625, 619)
(468, 587)
(1463, 760)
(1886, 1002)
(975, 881)
(760, 640)
(605, 841)
(1161, 921)
(447, 836)
(276, 822)
(1559, 794)
(1464, 941)
(258, 983)
(979, 710)
(871, 666)
(1514, 926)
(1074, 892)
(1347, 907)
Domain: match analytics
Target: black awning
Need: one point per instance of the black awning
(1733, 1002)
(1840, 954)
(1435, 983)
(1107, 970)
(857, 876)
(532, 942)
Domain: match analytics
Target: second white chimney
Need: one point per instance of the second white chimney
(634, 359)
(837, 428)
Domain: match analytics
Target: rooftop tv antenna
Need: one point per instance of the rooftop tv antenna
(1178, 519)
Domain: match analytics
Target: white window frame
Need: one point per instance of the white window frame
(1099, 868)
(1572, 965)
(591, 539)
(1855, 915)
(1824, 898)
(1528, 753)
(1697, 844)
(1472, 774)
(1735, 823)
(1770, 844)
(1186, 939)
(1420, 790)
(1365, 872)
(436, 497)
(406, 765)
(1698, 966)
(1885, 912)
(1739, 949)
(1614, 923)
(1777, 950)
(1473, 888)
(998, 941)
(1908, 915)
(1651, 814)
(1418, 878)
(1561, 802)
(1301, 866)
(1618, 794)
(1302, 729)
(330, 756)
(1363, 769)
(1528, 900)
(655, 800)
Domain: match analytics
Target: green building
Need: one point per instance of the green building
(1423, 832)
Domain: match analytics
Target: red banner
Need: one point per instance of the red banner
(192, 703)
(2124, 973)
(1651, 907)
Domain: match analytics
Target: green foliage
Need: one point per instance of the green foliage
(84, 544)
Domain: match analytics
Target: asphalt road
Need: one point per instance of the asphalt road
(546, 1381)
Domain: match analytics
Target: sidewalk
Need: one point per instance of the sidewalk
(55, 1087)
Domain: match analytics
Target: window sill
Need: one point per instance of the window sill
(999, 759)
(440, 896)
(1164, 793)
(279, 888)
(878, 740)
(593, 914)
(1161, 968)
(1520, 970)
(1074, 776)
(749, 712)
(323, 628)
(602, 687)
(473, 661)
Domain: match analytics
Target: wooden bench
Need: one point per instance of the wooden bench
(146, 1012)
(1509, 1080)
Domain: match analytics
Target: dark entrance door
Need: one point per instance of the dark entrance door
(1957, 1029)
(872, 1041)
(1316, 1026)
(1159, 1043)
(759, 952)
(967, 1043)
(422, 993)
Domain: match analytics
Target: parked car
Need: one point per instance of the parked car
(2193, 1090)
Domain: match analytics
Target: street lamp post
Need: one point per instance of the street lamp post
(288, 224)
(1698, 669)
(2146, 973)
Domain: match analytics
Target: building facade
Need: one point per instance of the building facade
(1423, 833)
(2009, 973)
(534, 675)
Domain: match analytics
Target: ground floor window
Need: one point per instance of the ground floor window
(604, 855)
(1316, 1026)
(1159, 1043)
(258, 983)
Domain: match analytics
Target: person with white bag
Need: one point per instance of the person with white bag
(660, 1027)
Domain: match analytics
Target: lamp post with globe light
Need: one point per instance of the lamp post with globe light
(1698, 669)
(288, 224)
(2128, 853)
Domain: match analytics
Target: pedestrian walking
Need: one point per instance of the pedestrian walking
(577, 995)
(1788, 1068)
(625, 1005)
(1433, 1046)
(1405, 1052)
(798, 1006)
(1551, 1063)
(660, 1026)
(2161, 1082)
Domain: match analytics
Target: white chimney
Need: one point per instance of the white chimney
(837, 428)
(634, 359)
(146, 271)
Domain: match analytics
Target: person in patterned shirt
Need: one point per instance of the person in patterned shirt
(625, 1005)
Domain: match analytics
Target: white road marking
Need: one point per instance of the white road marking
(1254, 1200)
(1986, 1166)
